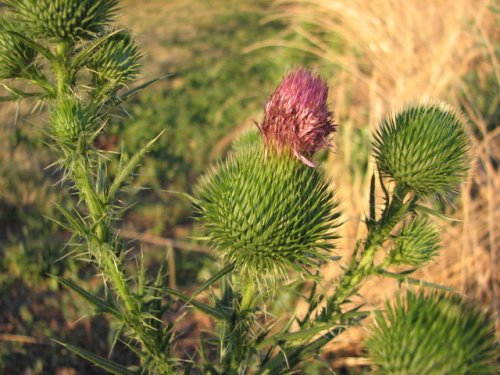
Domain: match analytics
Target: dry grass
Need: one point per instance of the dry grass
(394, 52)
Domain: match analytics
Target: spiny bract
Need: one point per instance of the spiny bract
(416, 244)
(265, 211)
(424, 148)
(68, 20)
(433, 334)
(117, 60)
(69, 119)
(16, 57)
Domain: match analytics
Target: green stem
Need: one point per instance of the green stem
(360, 269)
(103, 247)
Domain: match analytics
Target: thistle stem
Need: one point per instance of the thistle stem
(360, 269)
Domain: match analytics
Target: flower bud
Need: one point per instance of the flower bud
(265, 212)
(296, 116)
(424, 148)
(69, 119)
(416, 244)
(16, 57)
(433, 334)
(116, 60)
(69, 20)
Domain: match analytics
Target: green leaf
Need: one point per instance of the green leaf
(213, 279)
(101, 305)
(83, 55)
(36, 46)
(128, 94)
(126, 170)
(372, 199)
(103, 363)
(209, 310)
(303, 334)
(402, 276)
(430, 211)
(76, 225)
(19, 94)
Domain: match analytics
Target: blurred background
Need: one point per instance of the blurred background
(223, 58)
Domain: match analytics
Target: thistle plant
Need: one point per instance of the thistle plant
(268, 210)
(433, 333)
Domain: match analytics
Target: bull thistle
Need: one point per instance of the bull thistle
(424, 148)
(435, 333)
(268, 210)
(264, 208)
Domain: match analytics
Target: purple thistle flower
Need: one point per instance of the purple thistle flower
(297, 117)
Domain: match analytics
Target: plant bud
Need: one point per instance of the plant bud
(16, 57)
(265, 212)
(416, 244)
(424, 148)
(433, 334)
(117, 60)
(296, 116)
(69, 119)
(69, 20)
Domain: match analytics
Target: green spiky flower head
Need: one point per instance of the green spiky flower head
(424, 148)
(117, 60)
(433, 334)
(266, 211)
(16, 57)
(69, 119)
(416, 244)
(68, 20)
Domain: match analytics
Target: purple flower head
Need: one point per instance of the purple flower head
(297, 117)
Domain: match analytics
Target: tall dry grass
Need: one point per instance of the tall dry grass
(386, 53)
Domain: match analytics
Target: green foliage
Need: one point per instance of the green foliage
(64, 20)
(416, 244)
(433, 334)
(16, 57)
(424, 148)
(266, 211)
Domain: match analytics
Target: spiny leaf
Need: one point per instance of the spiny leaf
(82, 56)
(223, 272)
(126, 170)
(209, 310)
(101, 305)
(103, 363)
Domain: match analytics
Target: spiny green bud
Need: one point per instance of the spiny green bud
(16, 57)
(416, 243)
(265, 211)
(69, 119)
(424, 148)
(117, 60)
(433, 334)
(69, 20)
